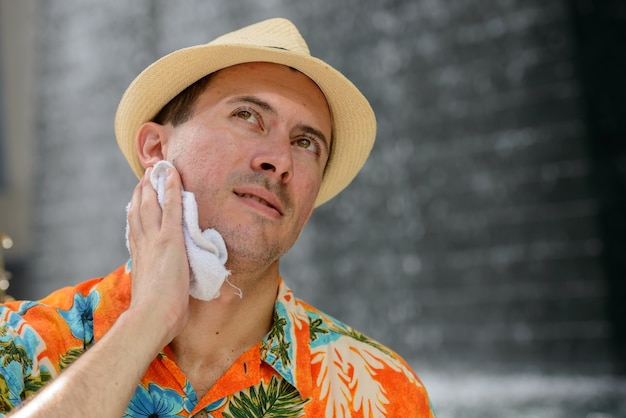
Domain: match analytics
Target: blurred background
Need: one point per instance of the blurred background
(483, 240)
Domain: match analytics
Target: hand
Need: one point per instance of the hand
(157, 313)
(160, 268)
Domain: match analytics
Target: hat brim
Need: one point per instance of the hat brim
(354, 123)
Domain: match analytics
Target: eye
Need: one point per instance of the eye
(308, 143)
(248, 115)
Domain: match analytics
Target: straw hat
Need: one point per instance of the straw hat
(274, 40)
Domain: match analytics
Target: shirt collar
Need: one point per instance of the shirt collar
(286, 348)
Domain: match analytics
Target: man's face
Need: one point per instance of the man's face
(254, 153)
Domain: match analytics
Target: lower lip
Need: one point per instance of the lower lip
(260, 207)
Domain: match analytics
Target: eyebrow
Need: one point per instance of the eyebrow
(269, 108)
(255, 100)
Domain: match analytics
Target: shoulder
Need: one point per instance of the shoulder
(72, 306)
(52, 327)
(346, 361)
(333, 337)
(59, 305)
(40, 338)
(50, 324)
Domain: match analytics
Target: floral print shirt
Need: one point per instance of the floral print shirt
(309, 364)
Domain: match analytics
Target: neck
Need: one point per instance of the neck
(220, 330)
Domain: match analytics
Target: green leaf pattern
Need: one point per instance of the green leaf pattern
(274, 400)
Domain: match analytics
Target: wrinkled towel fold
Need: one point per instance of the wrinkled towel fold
(206, 249)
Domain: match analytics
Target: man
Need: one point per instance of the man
(261, 133)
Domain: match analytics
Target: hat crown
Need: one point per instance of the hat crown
(272, 33)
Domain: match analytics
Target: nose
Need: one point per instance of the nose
(274, 158)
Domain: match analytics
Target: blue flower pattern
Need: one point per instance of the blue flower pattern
(80, 316)
(155, 402)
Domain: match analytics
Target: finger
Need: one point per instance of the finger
(150, 211)
(172, 204)
(134, 213)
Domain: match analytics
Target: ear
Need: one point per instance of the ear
(151, 143)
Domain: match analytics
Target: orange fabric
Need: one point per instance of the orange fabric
(308, 365)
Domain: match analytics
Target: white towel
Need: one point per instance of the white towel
(206, 249)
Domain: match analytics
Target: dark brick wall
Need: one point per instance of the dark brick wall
(600, 31)
(472, 236)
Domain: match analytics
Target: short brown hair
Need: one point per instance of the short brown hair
(180, 108)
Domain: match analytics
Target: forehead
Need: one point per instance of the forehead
(258, 68)
(280, 76)
(274, 80)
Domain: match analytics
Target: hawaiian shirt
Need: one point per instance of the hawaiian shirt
(309, 364)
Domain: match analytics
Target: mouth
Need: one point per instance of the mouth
(267, 202)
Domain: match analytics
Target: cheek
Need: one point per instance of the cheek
(196, 161)
(311, 180)
(197, 171)
(308, 193)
